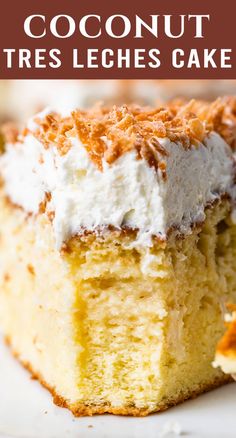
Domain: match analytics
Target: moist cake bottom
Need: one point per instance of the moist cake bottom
(113, 328)
(89, 410)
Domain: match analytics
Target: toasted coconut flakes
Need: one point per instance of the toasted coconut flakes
(108, 133)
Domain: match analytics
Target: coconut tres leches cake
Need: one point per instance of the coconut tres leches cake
(117, 252)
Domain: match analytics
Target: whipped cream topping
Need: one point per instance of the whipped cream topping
(127, 192)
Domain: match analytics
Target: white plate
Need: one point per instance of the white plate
(27, 411)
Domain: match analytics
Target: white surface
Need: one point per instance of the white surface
(27, 411)
(127, 192)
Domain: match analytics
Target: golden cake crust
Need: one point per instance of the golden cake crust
(81, 409)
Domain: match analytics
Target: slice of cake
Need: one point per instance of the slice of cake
(117, 250)
(226, 349)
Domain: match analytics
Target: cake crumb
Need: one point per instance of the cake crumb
(6, 277)
(170, 429)
(31, 269)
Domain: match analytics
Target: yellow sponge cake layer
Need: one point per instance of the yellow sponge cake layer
(114, 329)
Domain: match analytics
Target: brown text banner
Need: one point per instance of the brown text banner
(152, 39)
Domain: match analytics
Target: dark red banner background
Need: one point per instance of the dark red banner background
(219, 33)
